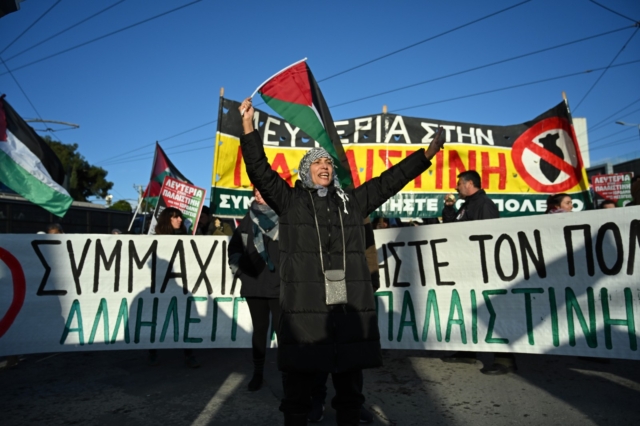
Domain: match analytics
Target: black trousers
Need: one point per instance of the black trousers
(259, 308)
(298, 389)
(319, 388)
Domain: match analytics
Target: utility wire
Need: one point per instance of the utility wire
(26, 96)
(606, 120)
(64, 31)
(149, 157)
(595, 143)
(606, 69)
(613, 11)
(161, 140)
(423, 41)
(480, 67)
(616, 143)
(514, 86)
(29, 27)
(167, 149)
(104, 36)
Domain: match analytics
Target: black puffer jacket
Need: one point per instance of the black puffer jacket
(256, 278)
(478, 207)
(313, 336)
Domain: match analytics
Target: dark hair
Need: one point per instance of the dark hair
(607, 202)
(54, 227)
(554, 201)
(473, 176)
(163, 227)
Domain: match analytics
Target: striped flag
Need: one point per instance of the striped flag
(294, 94)
(28, 165)
(162, 167)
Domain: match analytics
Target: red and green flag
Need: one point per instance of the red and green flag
(28, 165)
(294, 94)
(162, 167)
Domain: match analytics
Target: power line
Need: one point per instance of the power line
(606, 120)
(616, 143)
(514, 86)
(594, 143)
(187, 131)
(161, 140)
(606, 69)
(613, 11)
(64, 31)
(29, 27)
(104, 36)
(26, 96)
(148, 157)
(167, 149)
(423, 41)
(480, 67)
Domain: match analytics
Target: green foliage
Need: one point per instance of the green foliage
(85, 180)
(122, 206)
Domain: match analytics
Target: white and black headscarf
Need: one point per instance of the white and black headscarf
(305, 177)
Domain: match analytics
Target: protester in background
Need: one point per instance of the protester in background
(559, 203)
(449, 211)
(171, 222)
(315, 337)
(116, 231)
(478, 206)
(608, 204)
(203, 222)
(254, 258)
(218, 227)
(55, 228)
(381, 223)
(635, 193)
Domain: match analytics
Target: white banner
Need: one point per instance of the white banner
(562, 284)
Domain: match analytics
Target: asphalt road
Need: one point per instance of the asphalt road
(413, 388)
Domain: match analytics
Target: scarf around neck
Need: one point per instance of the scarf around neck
(265, 223)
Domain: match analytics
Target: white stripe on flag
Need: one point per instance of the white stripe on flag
(26, 159)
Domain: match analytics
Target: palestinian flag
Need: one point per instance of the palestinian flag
(28, 165)
(162, 167)
(294, 94)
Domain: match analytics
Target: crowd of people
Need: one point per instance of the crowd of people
(307, 263)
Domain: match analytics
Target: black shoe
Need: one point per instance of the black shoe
(460, 358)
(365, 416)
(255, 383)
(495, 370)
(191, 362)
(316, 414)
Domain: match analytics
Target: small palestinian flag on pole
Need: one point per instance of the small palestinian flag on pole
(28, 165)
(294, 94)
(162, 167)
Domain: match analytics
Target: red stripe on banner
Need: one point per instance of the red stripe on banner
(19, 290)
(237, 170)
(554, 160)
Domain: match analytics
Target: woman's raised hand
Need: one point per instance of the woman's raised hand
(246, 110)
(436, 144)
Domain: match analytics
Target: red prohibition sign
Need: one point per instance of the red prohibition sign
(19, 290)
(526, 141)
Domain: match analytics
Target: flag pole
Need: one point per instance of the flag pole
(134, 214)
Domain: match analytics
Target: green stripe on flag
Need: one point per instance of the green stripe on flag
(31, 188)
(306, 119)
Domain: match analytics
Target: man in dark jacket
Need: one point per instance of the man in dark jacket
(478, 206)
(321, 230)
